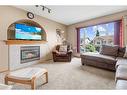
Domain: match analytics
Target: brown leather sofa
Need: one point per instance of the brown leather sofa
(62, 56)
(99, 60)
(121, 85)
(106, 59)
(121, 71)
(121, 76)
(115, 62)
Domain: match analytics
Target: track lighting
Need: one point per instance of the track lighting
(49, 10)
(44, 8)
(36, 5)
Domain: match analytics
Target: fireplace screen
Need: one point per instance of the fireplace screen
(30, 53)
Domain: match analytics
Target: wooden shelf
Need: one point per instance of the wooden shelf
(14, 42)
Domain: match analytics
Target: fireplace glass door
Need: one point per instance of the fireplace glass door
(30, 53)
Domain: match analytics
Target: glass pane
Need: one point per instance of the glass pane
(92, 37)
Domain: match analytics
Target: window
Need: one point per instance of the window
(92, 37)
(104, 42)
(98, 43)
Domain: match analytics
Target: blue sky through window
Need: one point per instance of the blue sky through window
(104, 29)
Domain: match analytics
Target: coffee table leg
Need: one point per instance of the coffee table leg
(6, 80)
(46, 78)
(46, 75)
(33, 83)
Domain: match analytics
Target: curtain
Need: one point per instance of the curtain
(123, 31)
(118, 33)
(124, 28)
(119, 38)
(121, 34)
(78, 40)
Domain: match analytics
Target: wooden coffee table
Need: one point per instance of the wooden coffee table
(26, 76)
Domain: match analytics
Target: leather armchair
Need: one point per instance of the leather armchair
(62, 56)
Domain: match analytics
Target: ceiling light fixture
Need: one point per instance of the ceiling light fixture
(36, 5)
(49, 10)
(44, 8)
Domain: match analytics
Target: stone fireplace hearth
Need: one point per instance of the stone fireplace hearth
(29, 53)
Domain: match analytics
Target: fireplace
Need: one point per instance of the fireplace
(30, 53)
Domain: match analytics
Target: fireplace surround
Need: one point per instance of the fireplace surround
(29, 53)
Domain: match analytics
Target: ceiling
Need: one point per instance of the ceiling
(72, 14)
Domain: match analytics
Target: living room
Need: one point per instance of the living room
(20, 53)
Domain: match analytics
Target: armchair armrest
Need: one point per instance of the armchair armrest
(55, 51)
(70, 51)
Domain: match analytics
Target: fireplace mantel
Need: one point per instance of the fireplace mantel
(14, 42)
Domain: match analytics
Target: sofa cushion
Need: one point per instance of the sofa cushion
(121, 51)
(121, 72)
(121, 61)
(99, 57)
(61, 54)
(109, 50)
(121, 84)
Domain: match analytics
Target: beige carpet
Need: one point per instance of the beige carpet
(64, 75)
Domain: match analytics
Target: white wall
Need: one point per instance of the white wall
(3, 56)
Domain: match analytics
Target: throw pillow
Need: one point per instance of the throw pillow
(63, 48)
(109, 50)
(125, 54)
